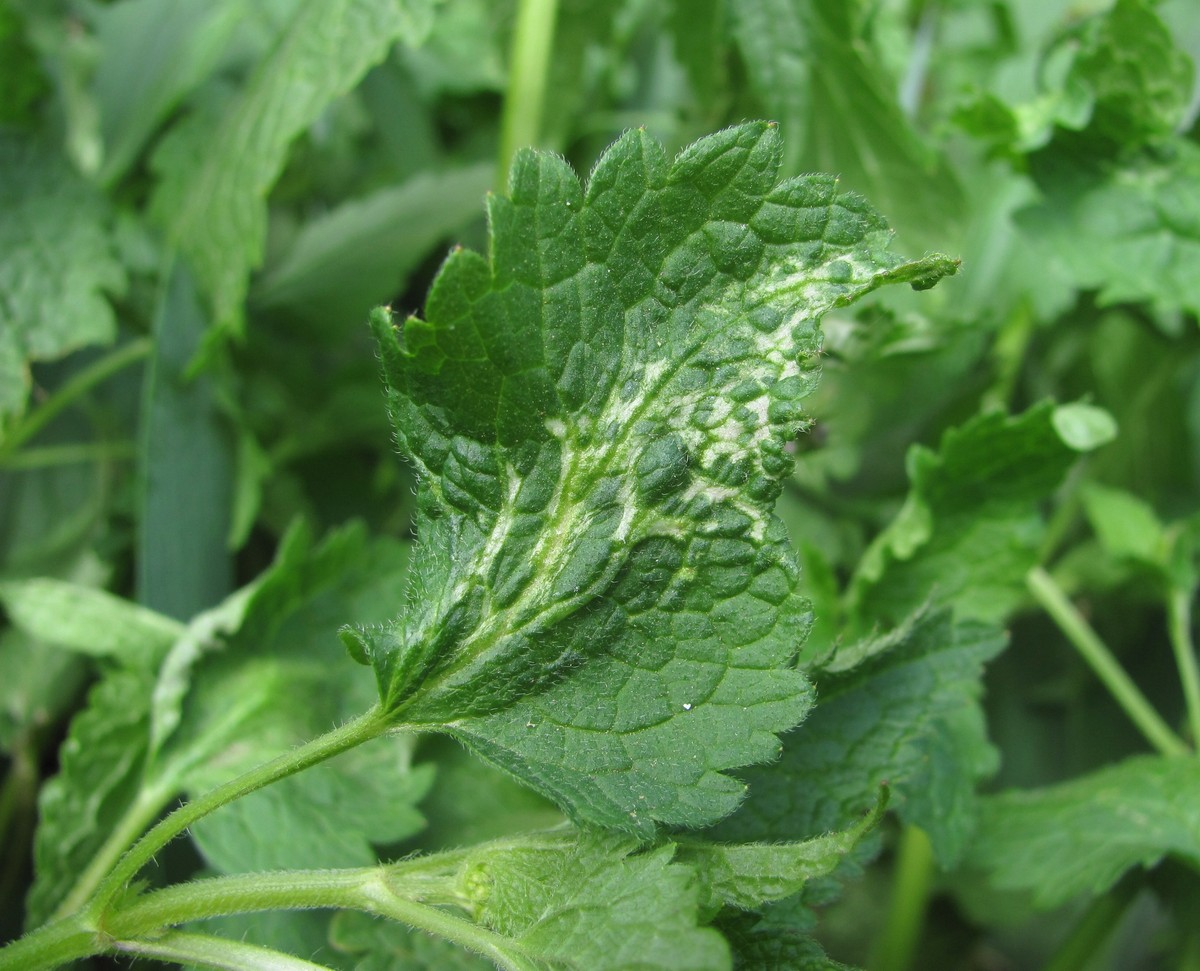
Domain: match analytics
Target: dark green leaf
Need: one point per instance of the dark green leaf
(605, 605)
(886, 708)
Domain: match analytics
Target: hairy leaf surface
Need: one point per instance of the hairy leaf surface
(600, 411)
(901, 709)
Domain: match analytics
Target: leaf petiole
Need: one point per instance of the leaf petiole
(369, 725)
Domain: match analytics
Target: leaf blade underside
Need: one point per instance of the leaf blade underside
(600, 411)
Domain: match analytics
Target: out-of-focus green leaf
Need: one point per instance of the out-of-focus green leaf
(1125, 525)
(57, 264)
(151, 54)
(359, 254)
(1083, 427)
(1139, 81)
(812, 67)
(38, 684)
(1080, 836)
(216, 171)
(326, 817)
(464, 51)
(21, 80)
(699, 34)
(97, 786)
(87, 620)
(1129, 229)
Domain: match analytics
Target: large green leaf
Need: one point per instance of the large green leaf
(600, 412)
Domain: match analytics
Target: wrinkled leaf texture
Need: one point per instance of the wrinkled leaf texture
(599, 412)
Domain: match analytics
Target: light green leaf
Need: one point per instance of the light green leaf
(360, 253)
(1139, 81)
(1080, 836)
(39, 685)
(88, 620)
(747, 875)
(885, 707)
(151, 54)
(589, 902)
(605, 605)
(1129, 229)
(329, 816)
(1125, 525)
(58, 265)
(1083, 427)
(246, 681)
(970, 528)
(216, 172)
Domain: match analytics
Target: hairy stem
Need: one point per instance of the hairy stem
(1179, 624)
(529, 63)
(1096, 653)
(353, 733)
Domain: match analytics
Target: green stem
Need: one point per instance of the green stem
(1095, 927)
(353, 733)
(500, 950)
(405, 892)
(50, 455)
(897, 944)
(206, 951)
(529, 62)
(51, 946)
(243, 893)
(1101, 660)
(92, 375)
(1179, 622)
